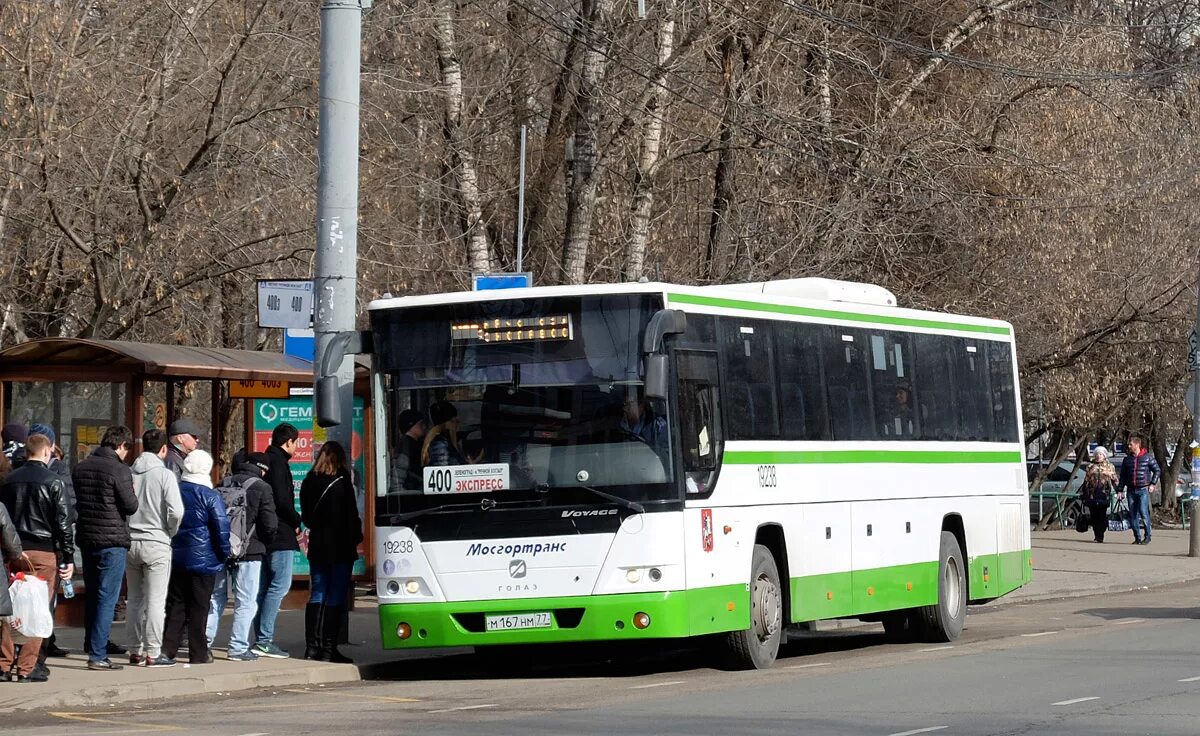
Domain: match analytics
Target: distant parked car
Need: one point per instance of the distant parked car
(1059, 480)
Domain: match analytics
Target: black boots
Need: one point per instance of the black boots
(312, 633)
(322, 629)
(331, 630)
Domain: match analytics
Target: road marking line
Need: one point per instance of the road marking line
(920, 730)
(1190, 679)
(340, 694)
(1073, 701)
(806, 666)
(656, 684)
(466, 707)
(141, 727)
(1040, 633)
(1128, 621)
(936, 649)
(257, 733)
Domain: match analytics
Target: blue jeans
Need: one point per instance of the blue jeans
(330, 583)
(103, 571)
(244, 579)
(1139, 511)
(275, 583)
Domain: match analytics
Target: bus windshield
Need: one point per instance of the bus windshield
(521, 401)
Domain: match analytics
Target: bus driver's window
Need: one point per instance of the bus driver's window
(699, 420)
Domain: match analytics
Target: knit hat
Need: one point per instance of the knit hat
(260, 460)
(197, 468)
(407, 419)
(44, 429)
(442, 411)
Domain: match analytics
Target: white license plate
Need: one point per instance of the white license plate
(514, 621)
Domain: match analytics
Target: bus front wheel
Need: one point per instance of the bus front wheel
(756, 647)
(944, 620)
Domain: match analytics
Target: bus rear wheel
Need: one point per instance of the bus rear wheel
(757, 647)
(944, 620)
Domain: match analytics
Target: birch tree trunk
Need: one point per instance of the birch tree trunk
(462, 163)
(648, 157)
(581, 196)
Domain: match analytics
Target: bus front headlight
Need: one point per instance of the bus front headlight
(412, 587)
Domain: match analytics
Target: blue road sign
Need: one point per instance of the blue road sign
(492, 281)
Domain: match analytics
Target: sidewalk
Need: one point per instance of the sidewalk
(1066, 565)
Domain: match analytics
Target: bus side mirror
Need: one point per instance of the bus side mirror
(329, 402)
(656, 376)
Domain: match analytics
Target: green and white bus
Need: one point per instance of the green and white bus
(647, 461)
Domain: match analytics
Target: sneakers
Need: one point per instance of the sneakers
(105, 664)
(246, 656)
(138, 660)
(161, 660)
(268, 649)
(34, 676)
(41, 669)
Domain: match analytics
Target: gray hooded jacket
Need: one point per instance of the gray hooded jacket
(160, 506)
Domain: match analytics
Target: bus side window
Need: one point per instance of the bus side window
(699, 419)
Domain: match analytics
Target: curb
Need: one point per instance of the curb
(102, 695)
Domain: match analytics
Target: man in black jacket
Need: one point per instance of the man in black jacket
(58, 465)
(104, 500)
(276, 578)
(243, 570)
(36, 500)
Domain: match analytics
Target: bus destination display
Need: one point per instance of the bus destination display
(520, 329)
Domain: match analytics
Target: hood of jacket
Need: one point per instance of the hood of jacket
(146, 462)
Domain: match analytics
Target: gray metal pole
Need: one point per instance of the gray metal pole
(336, 268)
(521, 209)
(1194, 531)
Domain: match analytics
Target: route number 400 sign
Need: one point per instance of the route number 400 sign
(466, 478)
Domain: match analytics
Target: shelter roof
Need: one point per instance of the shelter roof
(180, 362)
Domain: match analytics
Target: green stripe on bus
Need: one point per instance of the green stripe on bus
(844, 457)
(709, 301)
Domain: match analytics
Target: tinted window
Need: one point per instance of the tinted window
(701, 332)
(934, 369)
(891, 381)
(847, 358)
(1004, 396)
(749, 378)
(801, 382)
(971, 386)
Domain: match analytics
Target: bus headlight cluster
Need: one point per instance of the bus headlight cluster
(412, 587)
(634, 574)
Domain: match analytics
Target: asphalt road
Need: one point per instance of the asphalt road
(1121, 664)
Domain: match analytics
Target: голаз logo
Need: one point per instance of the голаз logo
(517, 569)
(268, 411)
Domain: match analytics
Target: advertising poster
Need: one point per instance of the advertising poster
(298, 411)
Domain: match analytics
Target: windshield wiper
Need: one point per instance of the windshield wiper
(397, 518)
(633, 506)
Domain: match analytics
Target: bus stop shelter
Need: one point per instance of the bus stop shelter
(82, 386)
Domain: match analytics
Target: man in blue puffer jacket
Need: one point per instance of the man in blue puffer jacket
(201, 547)
(1139, 471)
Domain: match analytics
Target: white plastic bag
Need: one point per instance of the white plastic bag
(31, 617)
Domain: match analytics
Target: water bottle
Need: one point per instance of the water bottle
(66, 584)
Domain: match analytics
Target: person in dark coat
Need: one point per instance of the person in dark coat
(184, 436)
(330, 510)
(404, 471)
(276, 578)
(104, 500)
(1139, 473)
(59, 465)
(36, 502)
(199, 551)
(243, 569)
